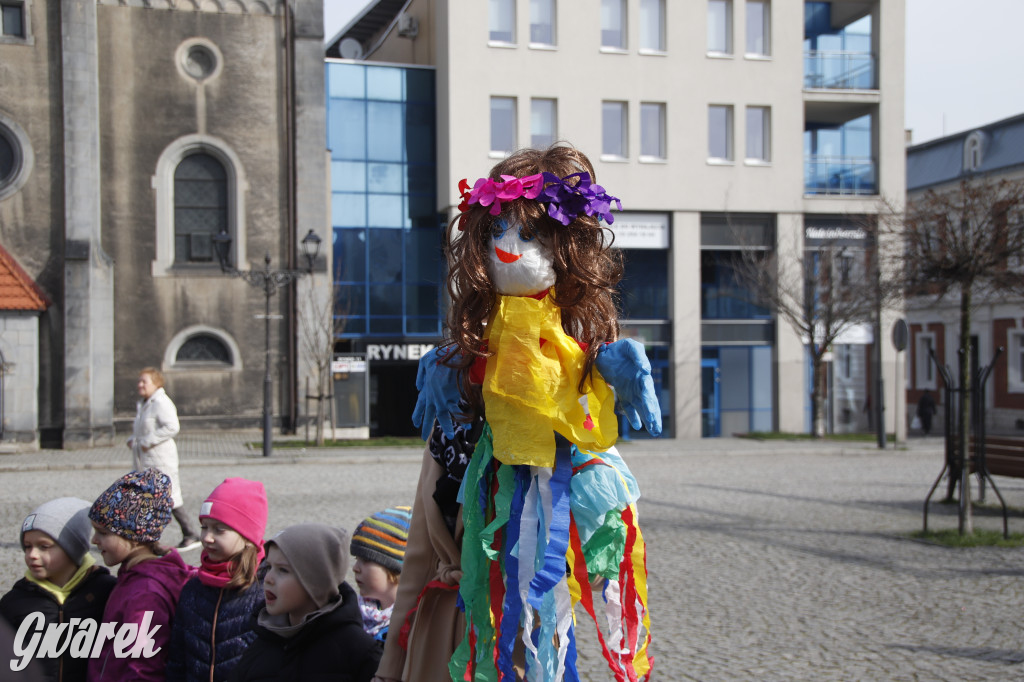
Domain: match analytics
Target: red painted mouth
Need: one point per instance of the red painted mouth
(506, 257)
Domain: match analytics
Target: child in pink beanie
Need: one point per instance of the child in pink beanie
(214, 624)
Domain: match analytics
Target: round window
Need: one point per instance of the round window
(200, 61)
(8, 157)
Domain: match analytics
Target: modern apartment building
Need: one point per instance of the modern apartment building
(993, 152)
(721, 124)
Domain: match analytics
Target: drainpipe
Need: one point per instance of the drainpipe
(290, 418)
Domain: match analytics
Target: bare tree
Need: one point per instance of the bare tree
(965, 241)
(820, 293)
(322, 321)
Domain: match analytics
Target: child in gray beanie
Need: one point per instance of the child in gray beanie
(62, 580)
(311, 626)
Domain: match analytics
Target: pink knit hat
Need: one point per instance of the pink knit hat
(241, 504)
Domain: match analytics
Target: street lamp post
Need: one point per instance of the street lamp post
(270, 281)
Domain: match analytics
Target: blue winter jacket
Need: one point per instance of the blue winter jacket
(197, 653)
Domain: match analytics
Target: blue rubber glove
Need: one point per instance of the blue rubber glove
(439, 394)
(625, 367)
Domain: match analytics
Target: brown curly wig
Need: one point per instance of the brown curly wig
(586, 269)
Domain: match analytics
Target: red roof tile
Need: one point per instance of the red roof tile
(17, 290)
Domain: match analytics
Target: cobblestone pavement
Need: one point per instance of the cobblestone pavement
(777, 561)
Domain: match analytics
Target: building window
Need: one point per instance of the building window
(759, 134)
(844, 360)
(974, 149)
(503, 124)
(200, 207)
(652, 130)
(1015, 364)
(542, 22)
(543, 127)
(16, 157)
(201, 347)
(9, 154)
(613, 24)
(200, 188)
(924, 368)
(503, 21)
(720, 132)
(12, 15)
(758, 28)
(720, 26)
(614, 130)
(652, 25)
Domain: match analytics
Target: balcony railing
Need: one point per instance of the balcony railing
(840, 175)
(834, 70)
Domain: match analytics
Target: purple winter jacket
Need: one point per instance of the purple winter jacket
(151, 585)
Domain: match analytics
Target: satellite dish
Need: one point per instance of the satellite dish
(351, 48)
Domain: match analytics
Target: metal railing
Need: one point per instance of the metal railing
(834, 70)
(840, 175)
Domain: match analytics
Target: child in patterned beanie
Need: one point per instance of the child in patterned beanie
(378, 546)
(128, 519)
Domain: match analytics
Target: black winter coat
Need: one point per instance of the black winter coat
(196, 652)
(87, 601)
(332, 646)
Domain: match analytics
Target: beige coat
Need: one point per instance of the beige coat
(437, 626)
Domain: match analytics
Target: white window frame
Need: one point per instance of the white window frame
(623, 131)
(713, 50)
(974, 150)
(653, 10)
(495, 10)
(536, 113)
(502, 153)
(765, 30)
(844, 360)
(607, 8)
(661, 132)
(730, 148)
(765, 157)
(1015, 361)
(925, 376)
(171, 364)
(163, 185)
(535, 9)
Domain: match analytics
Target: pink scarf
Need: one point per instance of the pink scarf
(213, 574)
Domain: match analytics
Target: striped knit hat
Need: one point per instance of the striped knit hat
(381, 538)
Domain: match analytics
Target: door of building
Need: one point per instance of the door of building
(710, 402)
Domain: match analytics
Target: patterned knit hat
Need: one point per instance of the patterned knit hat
(136, 507)
(381, 538)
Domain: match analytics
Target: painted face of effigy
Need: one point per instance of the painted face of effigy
(518, 265)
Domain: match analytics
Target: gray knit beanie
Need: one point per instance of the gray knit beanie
(66, 520)
(318, 557)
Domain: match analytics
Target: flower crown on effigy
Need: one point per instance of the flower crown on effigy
(565, 200)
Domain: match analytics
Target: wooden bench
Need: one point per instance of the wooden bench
(1004, 455)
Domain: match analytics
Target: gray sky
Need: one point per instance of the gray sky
(965, 61)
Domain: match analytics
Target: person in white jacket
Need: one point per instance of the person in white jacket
(152, 444)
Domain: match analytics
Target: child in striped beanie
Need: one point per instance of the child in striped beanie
(378, 545)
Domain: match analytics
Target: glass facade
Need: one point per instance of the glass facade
(737, 333)
(837, 58)
(644, 316)
(838, 157)
(387, 249)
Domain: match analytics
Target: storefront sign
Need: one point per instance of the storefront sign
(398, 351)
(640, 230)
(834, 235)
(348, 365)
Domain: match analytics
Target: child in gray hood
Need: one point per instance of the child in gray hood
(311, 627)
